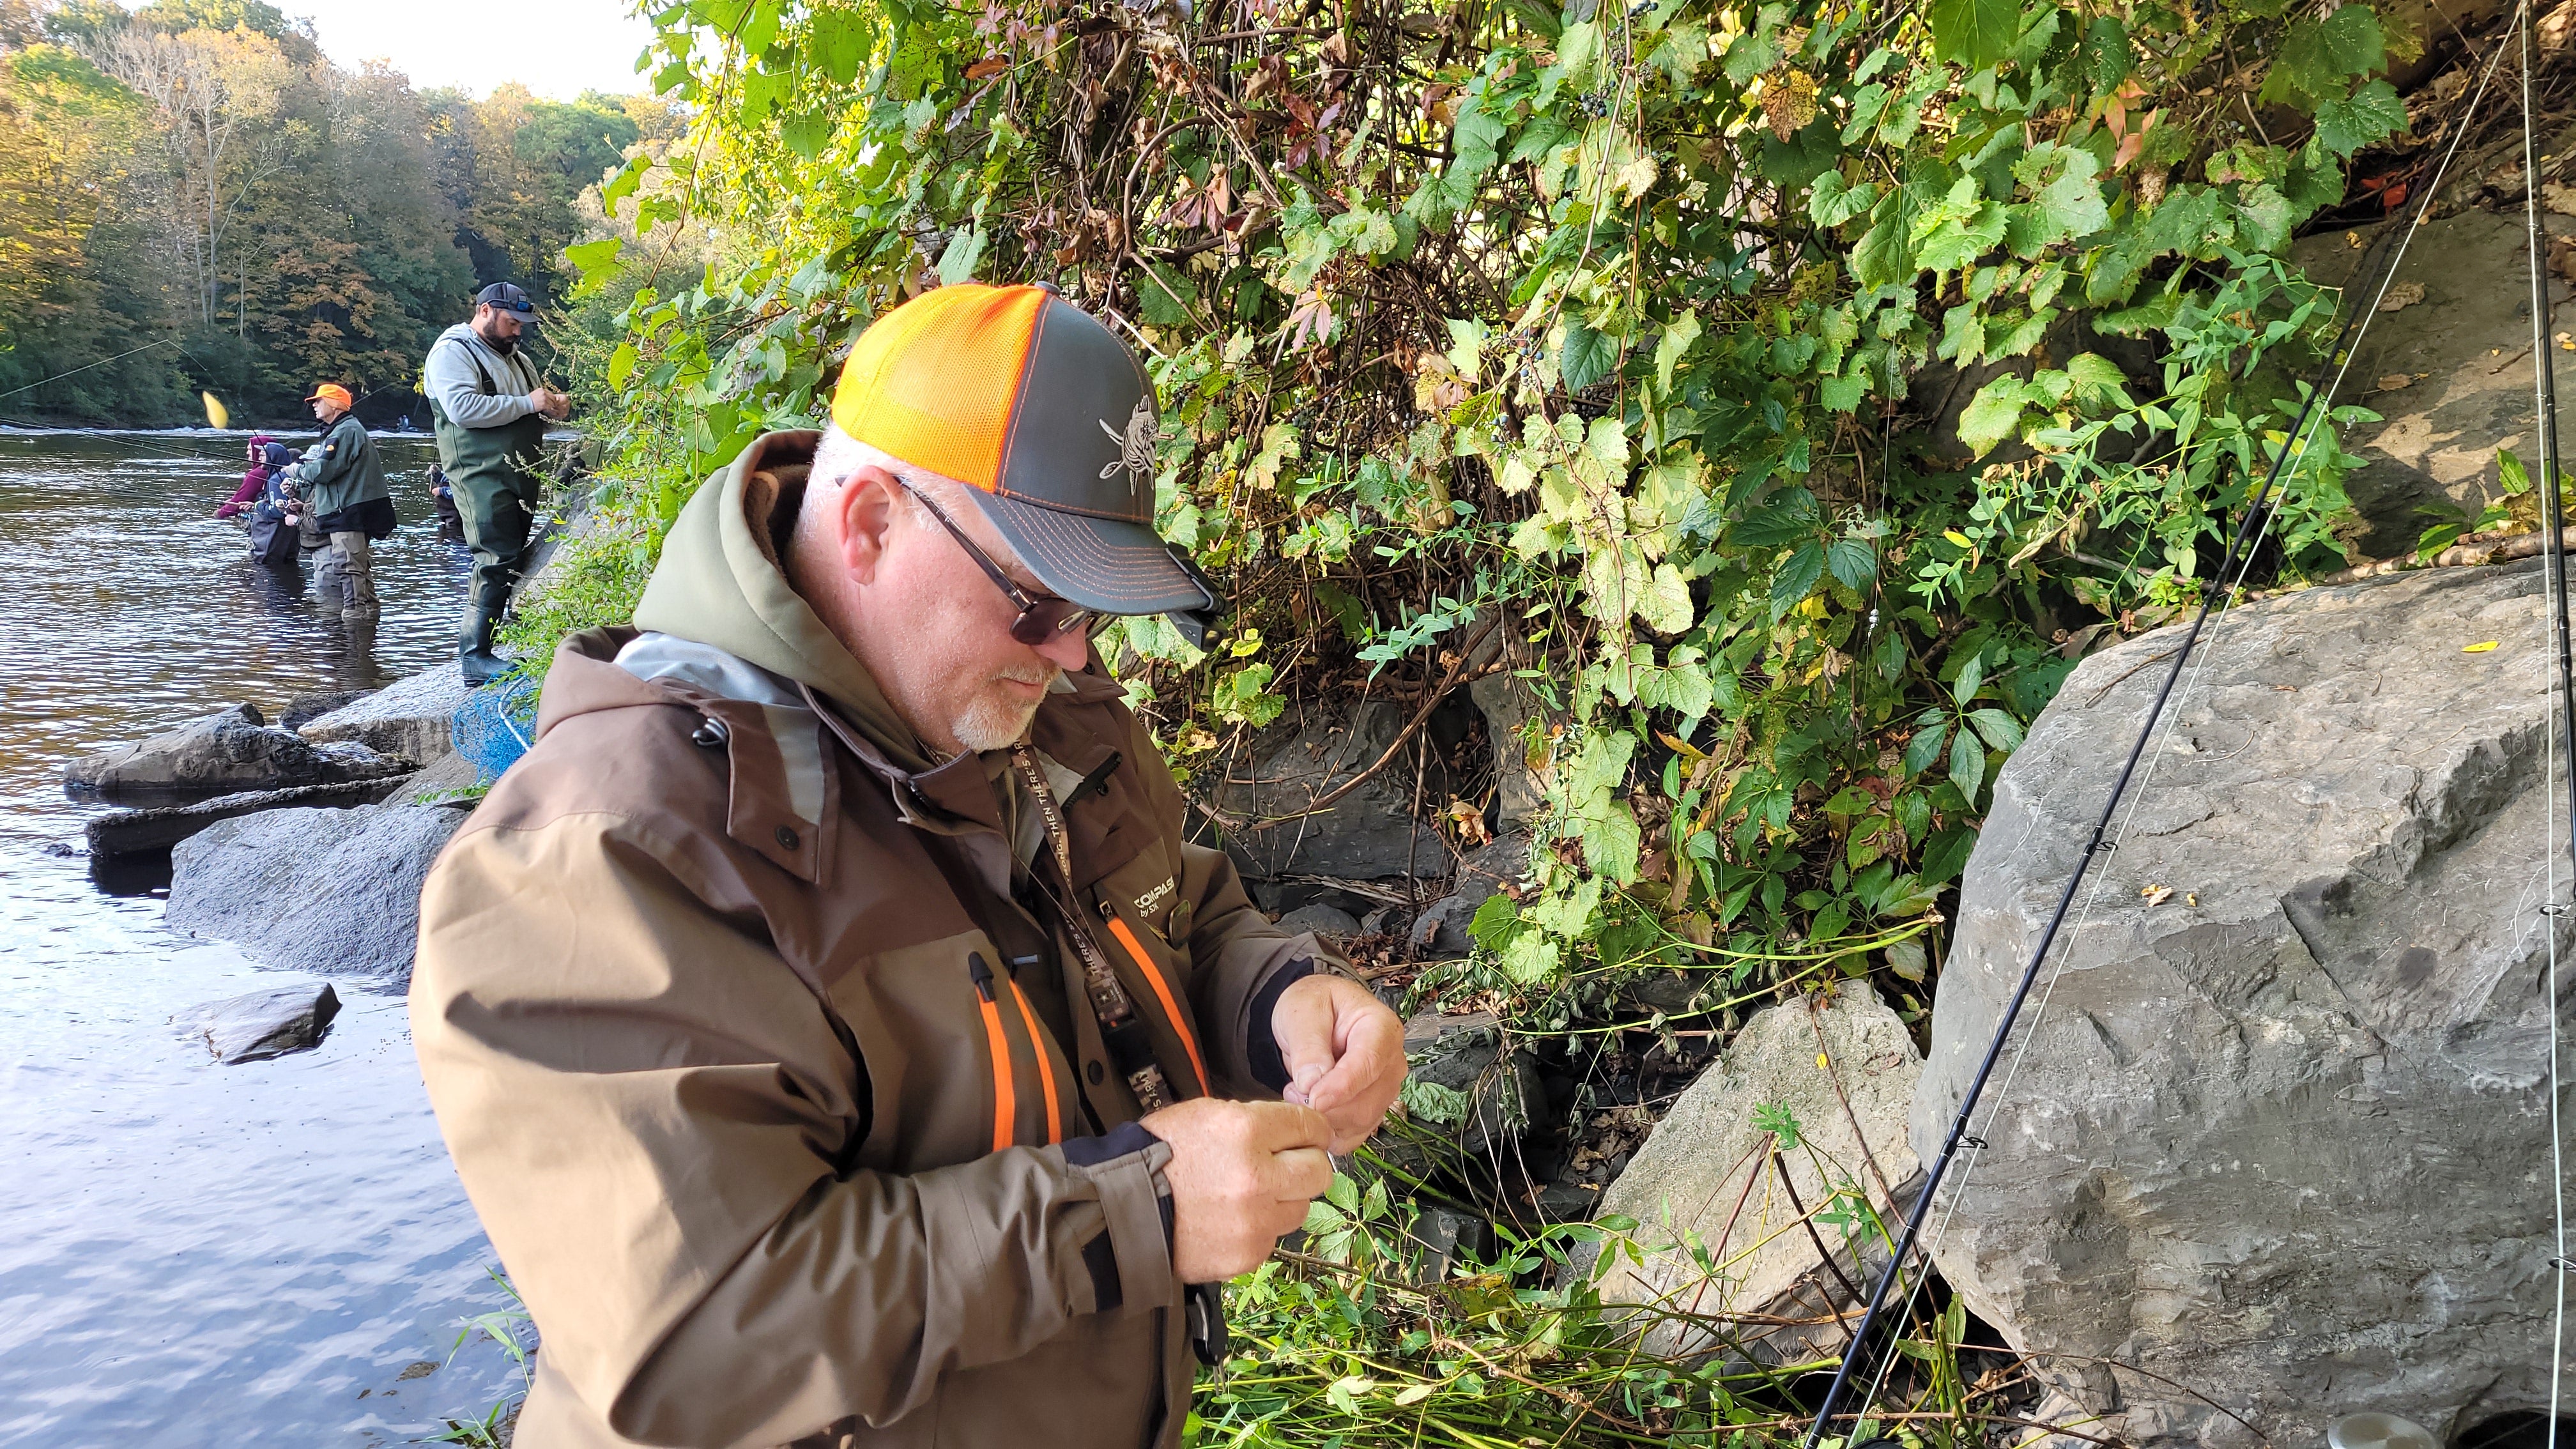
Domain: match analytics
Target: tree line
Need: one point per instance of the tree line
(194, 198)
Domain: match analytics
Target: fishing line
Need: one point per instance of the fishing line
(2544, 381)
(2215, 599)
(86, 366)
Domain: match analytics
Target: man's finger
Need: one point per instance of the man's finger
(1375, 1049)
(1302, 1174)
(1279, 1127)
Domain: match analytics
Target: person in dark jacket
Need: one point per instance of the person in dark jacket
(254, 479)
(343, 481)
(272, 517)
(442, 496)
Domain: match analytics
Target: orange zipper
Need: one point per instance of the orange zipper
(1046, 1072)
(1006, 1100)
(1162, 991)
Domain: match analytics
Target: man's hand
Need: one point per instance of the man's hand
(1241, 1176)
(551, 403)
(1344, 1052)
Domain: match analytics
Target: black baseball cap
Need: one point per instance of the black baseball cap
(507, 298)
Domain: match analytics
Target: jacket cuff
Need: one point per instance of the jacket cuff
(1261, 1044)
(1130, 1262)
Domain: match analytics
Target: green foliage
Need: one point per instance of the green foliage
(1344, 1343)
(1584, 335)
(512, 1329)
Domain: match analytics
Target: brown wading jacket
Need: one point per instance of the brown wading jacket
(789, 1123)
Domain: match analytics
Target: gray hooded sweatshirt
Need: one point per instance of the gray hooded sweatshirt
(476, 385)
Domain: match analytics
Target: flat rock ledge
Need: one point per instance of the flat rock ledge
(122, 833)
(412, 717)
(2278, 1146)
(224, 752)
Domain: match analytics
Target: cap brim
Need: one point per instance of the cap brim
(1106, 564)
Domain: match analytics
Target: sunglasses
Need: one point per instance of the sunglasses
(1041, 621)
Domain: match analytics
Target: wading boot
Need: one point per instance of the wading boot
(474, 656)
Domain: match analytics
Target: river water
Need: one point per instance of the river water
(194, 1254)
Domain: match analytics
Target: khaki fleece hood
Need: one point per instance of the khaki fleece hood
(721, 583)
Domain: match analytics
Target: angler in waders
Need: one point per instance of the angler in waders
(491, 407)
(342, 483)
(832, 1020)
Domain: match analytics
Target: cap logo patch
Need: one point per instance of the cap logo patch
(1135, 446)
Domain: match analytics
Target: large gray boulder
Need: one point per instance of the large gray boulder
(1814, 1091)
(335, 892)
(229, 750)
(2281, 1134)
(410, 717)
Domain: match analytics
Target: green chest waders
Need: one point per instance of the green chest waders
(493, 471)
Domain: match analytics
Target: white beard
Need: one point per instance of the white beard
(995, 721)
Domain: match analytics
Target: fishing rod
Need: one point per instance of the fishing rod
(2237, 561)
(2555, 621)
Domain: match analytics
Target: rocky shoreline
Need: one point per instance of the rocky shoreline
(304, 846)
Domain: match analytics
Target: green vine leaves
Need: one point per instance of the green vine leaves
(1785, 377)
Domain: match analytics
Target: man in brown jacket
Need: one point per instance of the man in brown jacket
(829, 1020)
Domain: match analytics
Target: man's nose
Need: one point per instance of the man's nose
(1067, 651)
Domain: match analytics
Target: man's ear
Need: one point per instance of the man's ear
(866, 522)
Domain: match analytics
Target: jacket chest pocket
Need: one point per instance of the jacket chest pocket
(956, 1063)
(1142, 922)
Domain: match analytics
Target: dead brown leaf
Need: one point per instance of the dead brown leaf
(2558, 27)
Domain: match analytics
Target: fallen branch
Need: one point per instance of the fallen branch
(2471, 550)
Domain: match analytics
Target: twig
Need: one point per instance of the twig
(1808, 1221)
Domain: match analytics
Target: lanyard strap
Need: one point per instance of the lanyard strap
(1119, 1027)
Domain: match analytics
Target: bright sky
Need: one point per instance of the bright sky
(557, 48)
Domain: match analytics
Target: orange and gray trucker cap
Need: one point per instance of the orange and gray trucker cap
(1045, 416)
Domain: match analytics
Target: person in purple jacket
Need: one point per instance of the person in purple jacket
(254, 479)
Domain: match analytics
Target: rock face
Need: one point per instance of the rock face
(229, 750)
(1331, 922)
(2462, 355)
(409, 717)
(146, 832)
(1509, 706)
(1441, 929)
(336, 892)
(1494, 1095)
(264, 1024)
(2281, 1133)
(1714, 1165)
(305, 708)
(1369, 833)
